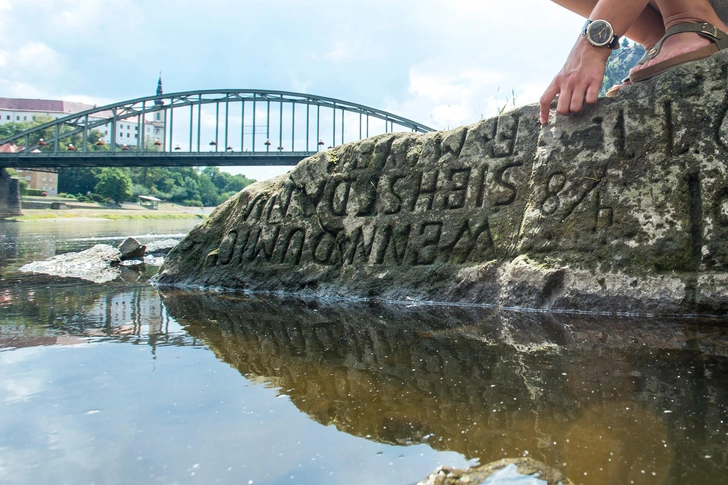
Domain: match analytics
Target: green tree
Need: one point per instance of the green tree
(78, 180)
(115, 184)
(13, 128)
(619, 64)
(208, 192)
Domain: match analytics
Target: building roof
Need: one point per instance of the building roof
(49, 105)
(10, 148)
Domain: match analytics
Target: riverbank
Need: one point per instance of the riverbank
(127, 211)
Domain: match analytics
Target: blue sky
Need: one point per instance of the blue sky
(443, 63)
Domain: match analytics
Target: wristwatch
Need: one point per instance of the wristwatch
(600, 33)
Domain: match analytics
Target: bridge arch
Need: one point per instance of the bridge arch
(208, 127)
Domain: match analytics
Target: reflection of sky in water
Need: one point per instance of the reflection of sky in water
(109, 413)
(509, 476)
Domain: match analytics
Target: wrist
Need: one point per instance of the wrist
(588, 49)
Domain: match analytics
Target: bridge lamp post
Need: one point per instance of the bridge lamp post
(177, 148)
(267, 145)
(320, 144)
(213, 145)
(229, 149)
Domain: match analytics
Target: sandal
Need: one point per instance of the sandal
(709, 31)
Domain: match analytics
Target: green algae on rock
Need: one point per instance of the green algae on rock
(623, 207)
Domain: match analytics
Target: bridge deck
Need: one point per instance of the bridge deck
(150, 159)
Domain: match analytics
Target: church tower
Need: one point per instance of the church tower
(159, 102)
(160, 91)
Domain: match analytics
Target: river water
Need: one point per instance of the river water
(126, 383)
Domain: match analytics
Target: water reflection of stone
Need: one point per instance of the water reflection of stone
(64, 315)
(618, 400)
(8, 244)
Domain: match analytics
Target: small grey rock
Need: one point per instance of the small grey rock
(131, 249)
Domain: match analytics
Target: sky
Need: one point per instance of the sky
(443, 63)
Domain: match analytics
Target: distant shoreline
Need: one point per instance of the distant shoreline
(93, 211)
(32, 215)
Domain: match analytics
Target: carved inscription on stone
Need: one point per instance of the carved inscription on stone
(393, 202)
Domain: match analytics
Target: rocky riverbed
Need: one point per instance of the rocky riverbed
(103, 263)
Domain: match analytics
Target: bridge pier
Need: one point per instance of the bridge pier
(9, 195)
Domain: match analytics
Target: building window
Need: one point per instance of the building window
(44, 179)
(27, 177)
(25, 118)
(7, 117)
(127, 135)
(136, 136)
(17, 118)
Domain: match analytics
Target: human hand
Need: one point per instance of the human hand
(578, 81)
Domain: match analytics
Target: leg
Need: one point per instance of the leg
(646, 30)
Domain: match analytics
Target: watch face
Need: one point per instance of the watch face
(600, 32)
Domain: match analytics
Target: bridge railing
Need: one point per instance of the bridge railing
(262, 124)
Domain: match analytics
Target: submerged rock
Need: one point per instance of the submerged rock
(623, 207)
(96, 264)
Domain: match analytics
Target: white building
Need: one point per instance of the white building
(19, 110)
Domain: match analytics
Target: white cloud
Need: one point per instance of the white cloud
(38, 57)
(340, 51)
(88, 15)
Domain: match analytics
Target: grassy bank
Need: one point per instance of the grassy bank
(117, 215)
(126, 212)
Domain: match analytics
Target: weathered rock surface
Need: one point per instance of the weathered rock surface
(94, 264)
(623, 207)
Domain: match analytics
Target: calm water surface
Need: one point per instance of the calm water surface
(124, 383)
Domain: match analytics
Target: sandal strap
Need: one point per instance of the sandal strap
(709, 31)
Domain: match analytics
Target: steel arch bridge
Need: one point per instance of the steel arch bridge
(225, 127)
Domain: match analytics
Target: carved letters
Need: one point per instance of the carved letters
(417, 201)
